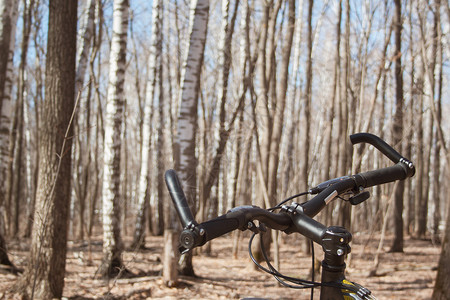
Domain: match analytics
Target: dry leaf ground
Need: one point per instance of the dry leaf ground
(408, 275)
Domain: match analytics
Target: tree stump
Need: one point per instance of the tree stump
(170, 261)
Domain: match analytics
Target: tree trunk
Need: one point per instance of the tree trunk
(397, 245)
(278, 115)
(293, 106)
(38, 99)
(44, 275)
(112, 264)
(15, 196)
(6, 35)
(420, 151)
(8, 15)
(346, 121)
(442, 284)
(185, 146)
(81, 150)
(343, 110)
(13, 173)
(170, 271)
(31, 173)
(306, 124)
(144, 177)
(84, 45)
(437, 94)
(421, 212)
(99, 131)
(409, 188)
(160, 147)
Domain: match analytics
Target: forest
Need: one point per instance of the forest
(250, 101)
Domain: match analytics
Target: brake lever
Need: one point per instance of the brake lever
(359, 198)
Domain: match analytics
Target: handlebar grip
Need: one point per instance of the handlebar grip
(386, 149)
(178, 198)
(381, 176)
(219, 226)
(378, 143)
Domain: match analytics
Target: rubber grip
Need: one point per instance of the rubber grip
(377, 143)
(219, 226)
(381, 176)
(178, 198)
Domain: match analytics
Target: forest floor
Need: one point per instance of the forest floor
(408, 275)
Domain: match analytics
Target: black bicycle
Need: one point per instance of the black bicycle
(299, 218)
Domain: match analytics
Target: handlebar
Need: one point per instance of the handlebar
(195, 235)
(381, 145)
(295, 218)
(178, 198)
(403, 169)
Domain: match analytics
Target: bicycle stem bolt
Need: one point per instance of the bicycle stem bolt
(340, 252)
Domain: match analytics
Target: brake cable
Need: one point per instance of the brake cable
(296, 283)
(286, 200)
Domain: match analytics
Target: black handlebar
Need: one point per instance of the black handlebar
(378, 143)
(384, 148)
(381, 176)
(296, 218)
(402, 170)
(178, 198)
(194, 235)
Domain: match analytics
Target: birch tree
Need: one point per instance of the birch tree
(6, 26)
(81, 151)
(16, 148)
(33, 132)
(437, 95)
(112, 264)
(144, 177)
(186, 162)
(99, 134)
(8, 16)
(44, 274)
(84, 44)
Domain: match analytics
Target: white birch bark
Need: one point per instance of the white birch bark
(112, 242)
(144, 177)
(5, 37)
(84, 45)
(185, 144)
(10, 7)
(190, 85)
(28, 158)
(80, 154)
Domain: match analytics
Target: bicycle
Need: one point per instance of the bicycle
(298, 218)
